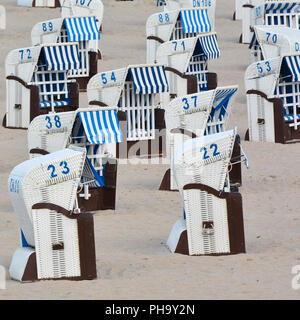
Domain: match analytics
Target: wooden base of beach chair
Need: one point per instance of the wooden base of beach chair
(178, 239)
(102, 198)
(24, 263)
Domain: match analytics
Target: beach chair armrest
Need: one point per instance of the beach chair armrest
(38, 151)
(208, 189)
(58, 209)
(192, 83)
(212, 80)
(264, 96)
(184, 131)
(21, 81)
(155, 39)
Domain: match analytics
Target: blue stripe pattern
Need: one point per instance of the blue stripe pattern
(148, 80)
(210, 47)
(293, 64)
(101, 126)
(195, 21)
(61, 57)
(82, 29)
(274, 8)
(291, 117)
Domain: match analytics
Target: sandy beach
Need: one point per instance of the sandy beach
(133, 261)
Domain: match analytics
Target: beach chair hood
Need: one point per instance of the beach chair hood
(276, 40)
(81, 28)
(107, 86)
(178, 53)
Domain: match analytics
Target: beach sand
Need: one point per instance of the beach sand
(133, 261)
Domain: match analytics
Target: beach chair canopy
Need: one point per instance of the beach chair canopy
(178, 53)
(107, 87)
(78, 29)
(277, 40)
(277, 13)
(162, 25)
(53, 178)
(85, 126)
(204, 160)
(57, 57)
(83, 8)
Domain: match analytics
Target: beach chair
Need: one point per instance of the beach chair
(2, 18)
(97, 130)
(273, 93)
(213, 215)
(186, 63)
(193, 116)
(175, 25)
(83, 8)
(57, 239)
(137, 91)
(40, 3)
(37, 82)
(83, 30)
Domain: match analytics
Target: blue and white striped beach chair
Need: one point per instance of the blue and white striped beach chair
(83, 31)
(57, 239)
(37, 82)
(136, 90)
(187, 60)
(273, 93)
(175, 25)
(98, 131)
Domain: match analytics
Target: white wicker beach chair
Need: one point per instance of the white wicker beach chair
(57, 240)
(273, 93)
(37, 82)
(177, 24)
(186, 63)
(2, 18)
(97, 130)
(138, 91)
(40, 3)
(213, 223)
(196, 115)
(83, 30)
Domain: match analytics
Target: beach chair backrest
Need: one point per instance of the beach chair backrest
(189, 112)
(51, 179)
